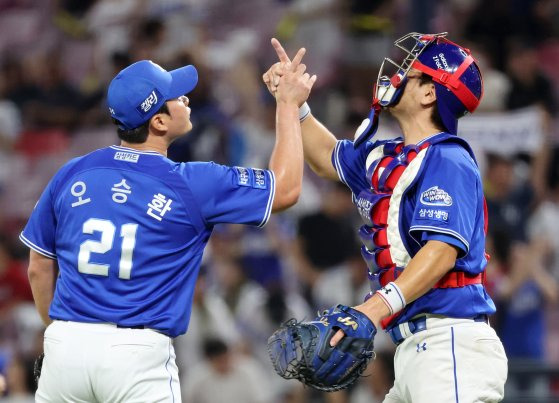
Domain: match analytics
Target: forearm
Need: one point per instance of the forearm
(42, 275)
(287, 157)
(318, 145)
(547, 284)
(427, 267)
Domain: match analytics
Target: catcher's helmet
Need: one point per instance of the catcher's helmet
(457, 79)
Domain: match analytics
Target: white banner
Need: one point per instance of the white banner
(504, 133)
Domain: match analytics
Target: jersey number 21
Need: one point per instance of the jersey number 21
(107, 230)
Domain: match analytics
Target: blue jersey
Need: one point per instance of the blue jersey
(438, 196)
(128, 230)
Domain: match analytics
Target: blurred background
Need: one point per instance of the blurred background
(57, 58)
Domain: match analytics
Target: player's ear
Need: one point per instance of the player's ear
(158, 122)
(429, 94)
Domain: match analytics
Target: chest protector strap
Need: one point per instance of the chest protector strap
(452, 279)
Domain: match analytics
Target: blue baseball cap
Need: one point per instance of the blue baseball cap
(141, 89)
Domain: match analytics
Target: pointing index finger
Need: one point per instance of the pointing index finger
(280, 51)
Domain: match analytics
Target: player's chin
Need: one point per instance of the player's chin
(188, 127)
(185, 128)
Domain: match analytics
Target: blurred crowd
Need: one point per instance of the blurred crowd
(58, 56)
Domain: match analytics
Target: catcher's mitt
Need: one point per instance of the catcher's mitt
(301, 350)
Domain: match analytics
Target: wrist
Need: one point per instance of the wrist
(287, 104)
(304, 111)
(392, 297)
(375, 309)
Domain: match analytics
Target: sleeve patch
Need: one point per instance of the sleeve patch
(251, 177)
(435, 196)
(432, 214)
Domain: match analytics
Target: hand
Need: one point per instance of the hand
(365, 310)
(295, 85)
(272, 77)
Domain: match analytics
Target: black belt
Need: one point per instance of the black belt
(131, 327)
(419, 324)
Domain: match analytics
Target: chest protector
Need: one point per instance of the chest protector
(392, 169)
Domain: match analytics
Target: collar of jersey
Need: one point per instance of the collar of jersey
(132, 150)
(428, 138)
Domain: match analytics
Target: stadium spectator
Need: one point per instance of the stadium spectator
(226, 377)
(509, 200)
(326, 239)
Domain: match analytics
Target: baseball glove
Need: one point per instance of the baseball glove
(301, 350)
(37, 367)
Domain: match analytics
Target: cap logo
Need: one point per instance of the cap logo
(151, 100)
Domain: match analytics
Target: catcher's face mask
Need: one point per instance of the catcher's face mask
(448, 64)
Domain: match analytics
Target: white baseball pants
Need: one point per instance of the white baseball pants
(452, 361)
(87, 362)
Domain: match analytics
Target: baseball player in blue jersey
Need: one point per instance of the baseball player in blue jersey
(117, 237)
(421, 200)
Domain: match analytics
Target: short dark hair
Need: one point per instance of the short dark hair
(214, 347)
(435, 116)
(139, 134)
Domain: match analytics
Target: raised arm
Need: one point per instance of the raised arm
(318, 141)
(287, 157)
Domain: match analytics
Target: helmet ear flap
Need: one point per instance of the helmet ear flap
(446, 115)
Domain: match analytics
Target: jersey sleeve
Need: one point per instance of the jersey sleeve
(235, 195)
(447, 199)
(39, 233)
(349, 163)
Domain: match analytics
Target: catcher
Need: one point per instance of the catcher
(421, 199)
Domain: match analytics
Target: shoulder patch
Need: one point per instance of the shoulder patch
(434, 196)
(251, 177)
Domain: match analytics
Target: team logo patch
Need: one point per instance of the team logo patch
(436, 197)
(151, 100)
(251, 177)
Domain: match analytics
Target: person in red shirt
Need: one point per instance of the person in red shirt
(14, 285)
